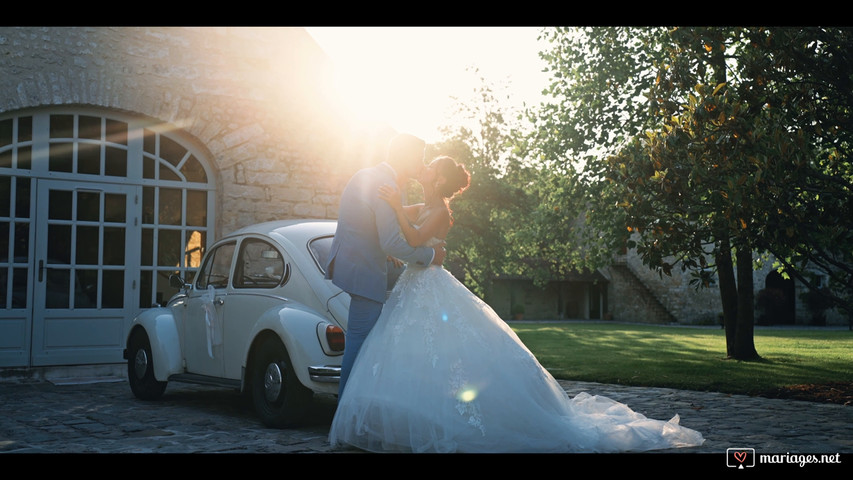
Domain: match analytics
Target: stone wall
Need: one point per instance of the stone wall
(257, 101)
(687, 304)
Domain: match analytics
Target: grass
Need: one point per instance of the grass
(687, 358)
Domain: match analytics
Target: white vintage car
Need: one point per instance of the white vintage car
(258, 317)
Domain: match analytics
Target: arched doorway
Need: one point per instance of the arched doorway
(778, 300)
(97, 208)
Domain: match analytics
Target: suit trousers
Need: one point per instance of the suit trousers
(363, 313)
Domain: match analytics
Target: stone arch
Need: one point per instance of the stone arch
(777, 301)
(99, 207)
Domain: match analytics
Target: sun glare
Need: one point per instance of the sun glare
(406, 77)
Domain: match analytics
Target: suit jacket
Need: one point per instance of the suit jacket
(367, 233)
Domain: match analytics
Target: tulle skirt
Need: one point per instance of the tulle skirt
(441, 372)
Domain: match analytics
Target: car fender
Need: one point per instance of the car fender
(297, 327)
(162, 330)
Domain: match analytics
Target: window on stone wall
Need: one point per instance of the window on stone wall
(175, 192)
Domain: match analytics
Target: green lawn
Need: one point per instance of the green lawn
(687, 357)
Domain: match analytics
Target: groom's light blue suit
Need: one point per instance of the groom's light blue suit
(367, 233)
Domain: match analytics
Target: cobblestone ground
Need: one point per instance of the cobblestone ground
(104, 417)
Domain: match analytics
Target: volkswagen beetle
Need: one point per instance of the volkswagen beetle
(258, 317)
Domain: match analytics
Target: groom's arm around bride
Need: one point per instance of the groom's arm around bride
(367, 233)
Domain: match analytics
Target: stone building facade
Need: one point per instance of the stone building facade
(125, 151)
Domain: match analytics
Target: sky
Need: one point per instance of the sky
(406, 76)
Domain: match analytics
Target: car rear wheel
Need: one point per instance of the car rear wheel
(140, 368)
(279, 398)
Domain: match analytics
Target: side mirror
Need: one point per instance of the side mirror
(175, 281)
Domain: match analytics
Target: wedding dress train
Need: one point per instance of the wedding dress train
(441, 372)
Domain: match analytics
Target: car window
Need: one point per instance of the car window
(260, 265)
(216, 267)
(320, 248)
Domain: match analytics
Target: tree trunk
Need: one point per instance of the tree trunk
(744, 339)
(728, 293)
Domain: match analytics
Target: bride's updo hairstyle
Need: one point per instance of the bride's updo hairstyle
(456, 176)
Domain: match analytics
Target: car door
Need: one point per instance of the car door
(260, 271)
(203, 327)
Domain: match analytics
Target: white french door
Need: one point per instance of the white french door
(86, 254)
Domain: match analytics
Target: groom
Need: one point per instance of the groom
(366, 235)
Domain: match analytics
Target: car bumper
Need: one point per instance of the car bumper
(325, 373)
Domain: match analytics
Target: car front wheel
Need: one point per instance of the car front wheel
(279, 398)
(140, 368)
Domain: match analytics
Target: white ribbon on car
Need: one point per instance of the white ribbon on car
(214, 326)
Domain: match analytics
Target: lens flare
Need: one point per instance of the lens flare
(466, 394)
(443, 317)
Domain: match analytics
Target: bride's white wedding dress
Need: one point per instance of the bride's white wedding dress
(441, 372)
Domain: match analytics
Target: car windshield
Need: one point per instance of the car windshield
(320, 248)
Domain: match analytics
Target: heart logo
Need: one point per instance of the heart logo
(740, 456)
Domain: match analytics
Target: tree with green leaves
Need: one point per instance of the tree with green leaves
(692, 146)
(486, 138)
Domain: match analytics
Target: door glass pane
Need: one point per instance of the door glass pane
(113, 246)
(59, 207)
(216, 269)
(259, 266)
(147, 253)
(113, 295)
(193, 171)
(19, 288)
(6, 158)
(171, 151)
(116, 131)
(88, 241)
(86, 289)
(149, 142)
(58, 286)
(145, 300)
(89, 158)
(22, 199)
(89, 206)
(89, 127)
(61, 157)
(149, 166)
(221, 267)
(148, 205)
(5, 132)
(5, 251)
(115, 209)
(62, 126)
(115, 162)
(196, 208)
(195, 249)
(167, 173)
(25, 157)
(169, 248)
(59, 244)
(170, 206)
(4, 286)
(21, 248)
(5, 196)
(25, 129)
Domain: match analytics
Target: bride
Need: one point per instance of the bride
(441, 372)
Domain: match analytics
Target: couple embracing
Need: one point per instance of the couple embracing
(432, 368)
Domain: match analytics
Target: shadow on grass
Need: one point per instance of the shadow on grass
(686, 358)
